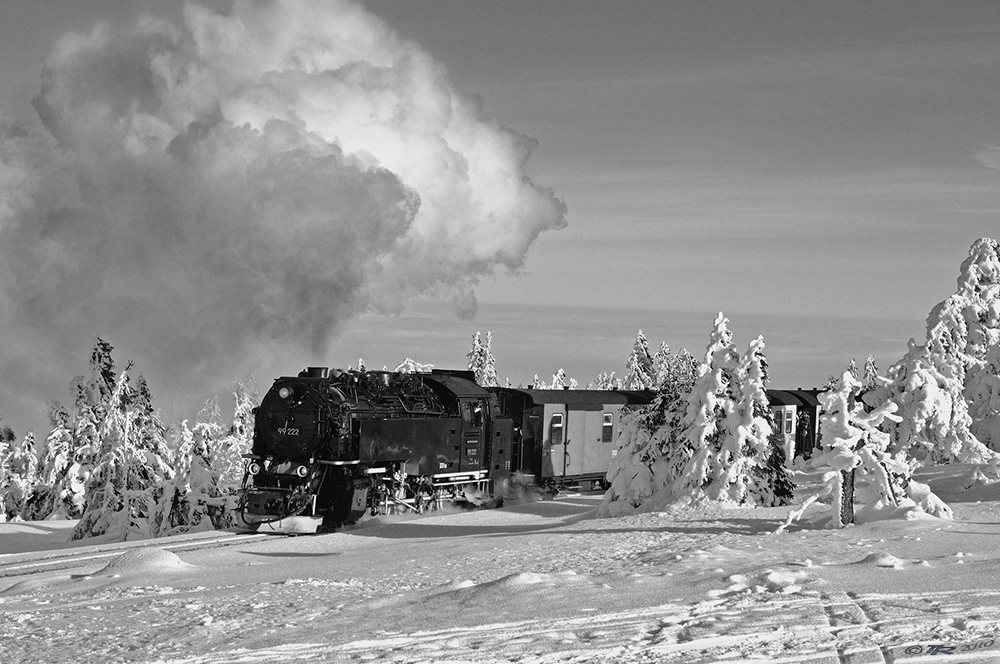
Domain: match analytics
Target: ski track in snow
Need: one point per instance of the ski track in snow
(534, 583)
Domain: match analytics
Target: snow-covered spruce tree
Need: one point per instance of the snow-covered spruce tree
(476, 356)
(489, 377)
(758, 476)
(227, 457)
(708, 420)
(481, 360)
(91, 396)
(23, 466)
(17, 479)
(605, 381)
(983, 393)
(204, 493)
(933, 384)
(671, 370)
(870, 379)
(859, 464)
(651, 454)
(121, 490)
(55, 456)
(640, 365)
(7, 438)
(70, 487)
(676, 450)
(559, 380)
(935, 425)
(412, 366)
(152, 432)
(193, 499)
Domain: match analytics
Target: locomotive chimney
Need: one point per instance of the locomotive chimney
(317, 372)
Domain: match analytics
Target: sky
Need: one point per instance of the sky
(773, 143)
(815, 170)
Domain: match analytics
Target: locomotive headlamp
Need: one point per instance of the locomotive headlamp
(301, 471)
(285, 392)
(254, 468)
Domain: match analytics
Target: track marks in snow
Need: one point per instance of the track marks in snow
(858, 638)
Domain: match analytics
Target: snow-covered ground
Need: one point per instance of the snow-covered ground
(533, 582)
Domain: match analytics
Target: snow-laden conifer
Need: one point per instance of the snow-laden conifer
(121, 490)
(559, 380)
(869, 380)
(983, 395)
(651, 457)
(412, 366)
(481, 361)
(227, 457)
(640, 365)
(684, 447)
(91, 396)
(55, 456)
(476, 356)
(934, 383)
(859, 464)
(152, 432)
(204, 492)
(19, 460)
(489, 371)
(935, 425)
(708, 420)
(192, 500)
(7, 438)
(605, 381)
(758, 476)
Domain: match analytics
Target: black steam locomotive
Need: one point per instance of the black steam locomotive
(330, 446)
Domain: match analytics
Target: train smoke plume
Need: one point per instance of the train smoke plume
(198, 192)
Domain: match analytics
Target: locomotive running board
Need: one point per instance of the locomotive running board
(458, 478)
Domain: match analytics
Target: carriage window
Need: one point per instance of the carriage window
(777, 420)
(788, 422)
(607, 427)
(556, 432)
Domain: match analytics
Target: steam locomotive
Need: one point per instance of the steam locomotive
(330, 446)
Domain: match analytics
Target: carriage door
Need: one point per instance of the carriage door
(577, 440)
(474, 430)
(555, 439)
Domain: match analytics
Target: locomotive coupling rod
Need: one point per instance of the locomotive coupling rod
(401, 502)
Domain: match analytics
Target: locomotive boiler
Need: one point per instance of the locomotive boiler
(330, 446)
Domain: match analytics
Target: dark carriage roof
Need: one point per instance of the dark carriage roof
(586, 397)
(460, 383)
(793, 398)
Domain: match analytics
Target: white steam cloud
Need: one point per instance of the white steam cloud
(252, 178)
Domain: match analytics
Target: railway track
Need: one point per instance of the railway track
(70, 558)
